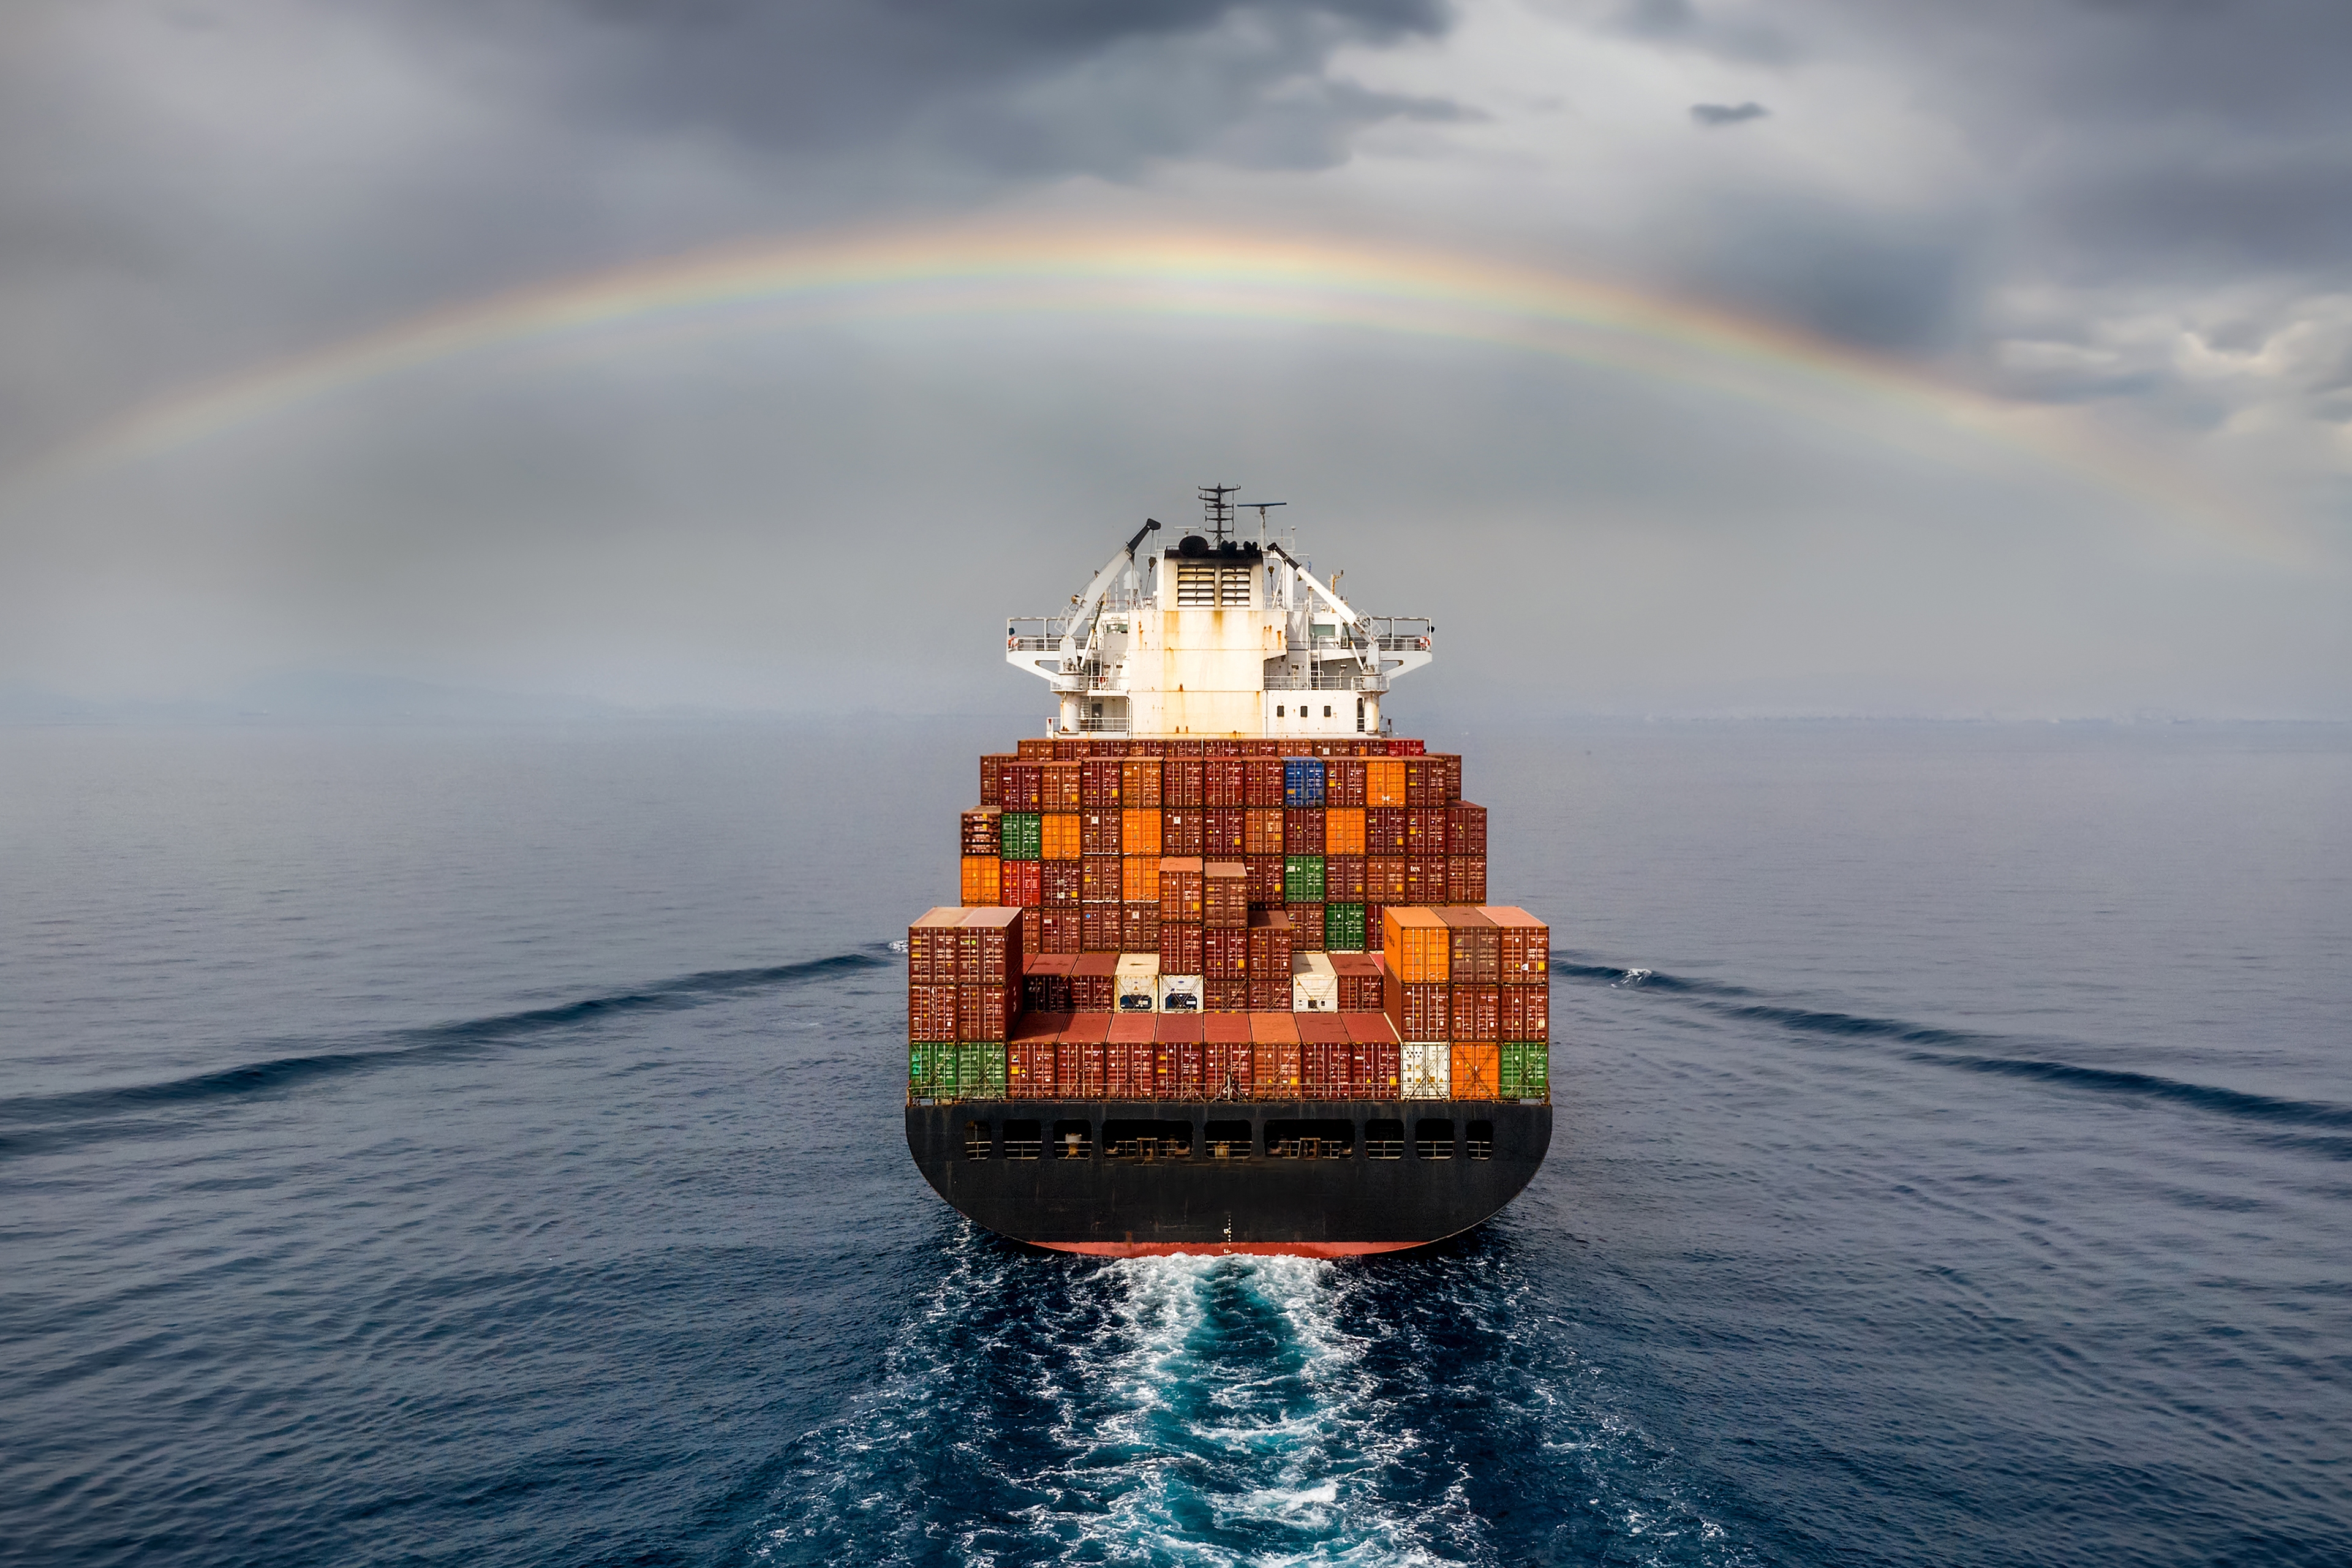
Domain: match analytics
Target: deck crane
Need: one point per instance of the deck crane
(1082, 614)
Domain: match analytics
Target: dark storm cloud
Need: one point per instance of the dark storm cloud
(1024, 87)
(1728, 113)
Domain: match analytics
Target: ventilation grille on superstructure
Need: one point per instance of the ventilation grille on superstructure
(1209, 586)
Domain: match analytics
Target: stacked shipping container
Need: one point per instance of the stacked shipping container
(1213, 865)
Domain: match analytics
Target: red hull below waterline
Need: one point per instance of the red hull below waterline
(1228, 1248)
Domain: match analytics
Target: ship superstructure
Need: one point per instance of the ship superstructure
(1224, 976)
(1213, 635)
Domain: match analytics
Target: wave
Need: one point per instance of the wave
(41, 1119)
(1968, 1050)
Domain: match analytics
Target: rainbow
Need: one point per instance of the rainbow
(970, 269)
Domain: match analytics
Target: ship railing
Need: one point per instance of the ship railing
(1023, 1148)
(1289, 681)
(1435, 1149)
(1108, 725)
(1308, 1149)
(1148, 1149)
(1384, 1148)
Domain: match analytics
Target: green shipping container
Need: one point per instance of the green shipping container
(1527, 1070)
(981, 1071)
(922, 1062)
(1024, 836)
(1343, 927)
(1302, 878)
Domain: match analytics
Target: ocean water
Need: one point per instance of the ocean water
(481, 1145)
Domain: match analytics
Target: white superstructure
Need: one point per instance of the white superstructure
(1215, 636)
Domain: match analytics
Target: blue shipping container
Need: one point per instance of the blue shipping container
(1302, 781)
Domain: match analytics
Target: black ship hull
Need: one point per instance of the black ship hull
(1317, 1178)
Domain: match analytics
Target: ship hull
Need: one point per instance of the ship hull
(1377, 1197)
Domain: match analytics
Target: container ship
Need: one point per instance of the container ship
(1223, 977)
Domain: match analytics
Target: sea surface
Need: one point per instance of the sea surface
(481, 1145)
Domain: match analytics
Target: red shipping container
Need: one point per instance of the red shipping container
(1182, 749)
(1384, 829)
(1224, 995)
(1375, 925)
(1360, 982)
(1180, 949)
(991, 781)
(1029, 1070)
(1078, 1059)
(1302, 831)
(1269, 994)
(1270, 933)
(1476, 1013)
(1262, 778)
(1424, 781)
(1383, 883)
(1473, 946)
(1226, 1054)
(1060, 883)
(1343, 878)
(1526, 1013)
(1265, 879)
(1225, 782)
(931, 1013)
(1224, 833)
(1343, 783)
(1424, 881)
(1221, 748)
(1465, 829)
(1466, 878)
(1424, 830)
(1034, 751)
(1225, 953)
(1321, 1029)
(1224, 893)
(1138, 783)
(1023, 787)
(1058, 786)
(1418, 1012)
(1179, 889)
(1092, 981)
(1098, 784)
(1452, 786)
(1101, 878)
(1262, 830)
(1024, 884)
(1054, 928)
(988, 951)
(1102, 927)
(1180, 831)
(1526, 945)
(1098, 831)
(1179, 782)
(986, 1012)
(1139, 927)
(931, 948)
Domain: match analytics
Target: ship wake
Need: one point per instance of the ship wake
(1217, 1411)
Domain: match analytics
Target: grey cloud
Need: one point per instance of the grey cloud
(1728, 113)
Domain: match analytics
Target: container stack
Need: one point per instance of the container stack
(1469, 992)
(1225, 919)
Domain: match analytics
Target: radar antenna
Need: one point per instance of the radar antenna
(1217, 512)
(1261, 506)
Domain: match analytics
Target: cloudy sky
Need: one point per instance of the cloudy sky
(2086, 267)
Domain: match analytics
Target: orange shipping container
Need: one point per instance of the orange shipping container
(1343, 830)
(1138, 833)
(1477, 1071)
(1138, 878)
(1059, 836)
(982, 879)
(1417, 943)
(1384, 781)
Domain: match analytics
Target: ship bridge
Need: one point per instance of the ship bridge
(1216, 637)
